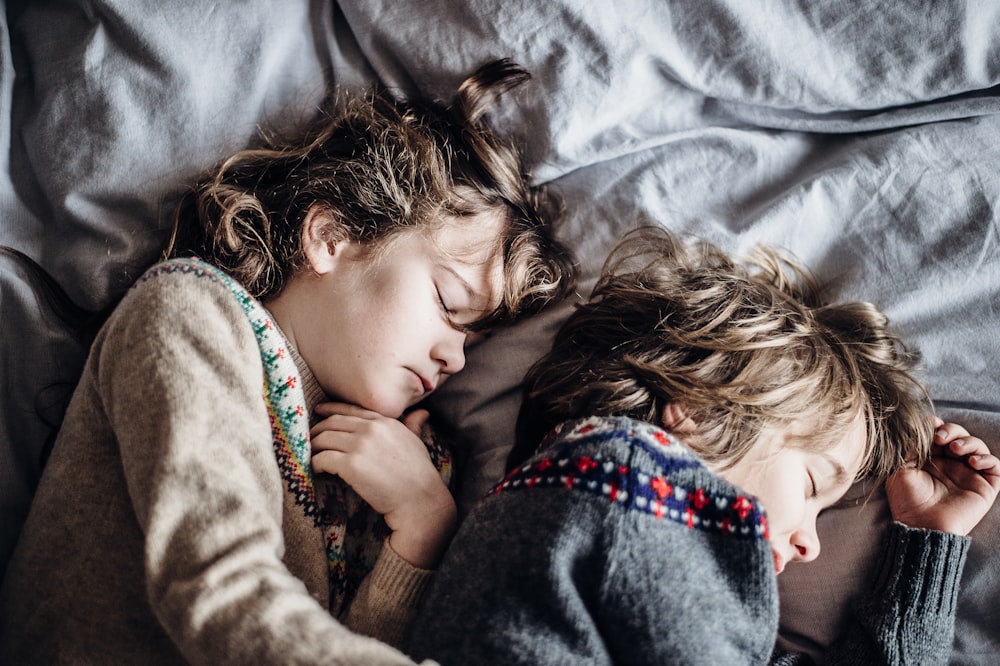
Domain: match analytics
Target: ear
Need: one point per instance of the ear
(675, 419)
(320, 240)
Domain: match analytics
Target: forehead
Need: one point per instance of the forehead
(846, 455)
(469, 247)
(473, 239)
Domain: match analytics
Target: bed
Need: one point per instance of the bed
(862, 137)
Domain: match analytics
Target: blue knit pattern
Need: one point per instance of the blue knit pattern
(562, 463)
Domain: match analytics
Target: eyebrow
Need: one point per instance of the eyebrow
(839, 472)
(475, 298)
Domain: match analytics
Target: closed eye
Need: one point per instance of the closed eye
(444, 306)
(812, 482)
(453, 303)
(451, 315)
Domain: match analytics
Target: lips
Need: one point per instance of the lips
(425, 384)
(428, 385)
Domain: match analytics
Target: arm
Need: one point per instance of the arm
(385, 606)
(181, 373)
(387, 464)
(908, 614)
(513, 590)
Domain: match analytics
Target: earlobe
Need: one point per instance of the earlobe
(318, 242)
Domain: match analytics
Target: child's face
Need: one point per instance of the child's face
(380, 332)
(794, 485)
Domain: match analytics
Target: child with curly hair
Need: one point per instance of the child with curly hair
(674, 450)
(239, 476)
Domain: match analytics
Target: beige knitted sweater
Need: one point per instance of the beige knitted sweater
(161, 531)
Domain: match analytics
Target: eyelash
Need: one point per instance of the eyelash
(444, 306)
(813, 482)
(449, 313)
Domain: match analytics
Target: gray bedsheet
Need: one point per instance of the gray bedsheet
(862, 137)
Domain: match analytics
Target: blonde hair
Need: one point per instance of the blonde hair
(379, 166)
(741, 347)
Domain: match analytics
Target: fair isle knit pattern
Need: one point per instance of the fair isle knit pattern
(738, 516)
(289, 422)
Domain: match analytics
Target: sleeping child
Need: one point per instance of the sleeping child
(674, 449)
(327, 283)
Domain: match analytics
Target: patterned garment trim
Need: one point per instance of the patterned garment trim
(561, 465)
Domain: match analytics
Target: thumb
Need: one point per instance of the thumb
(415, 420)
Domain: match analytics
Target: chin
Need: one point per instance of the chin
(391, 411)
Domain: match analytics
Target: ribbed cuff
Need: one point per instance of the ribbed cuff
(921, 569)
(387, 602)
(398, 578)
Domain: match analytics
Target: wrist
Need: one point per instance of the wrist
(954, 526)
(421, 537)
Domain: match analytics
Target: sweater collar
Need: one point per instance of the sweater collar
(310, 386)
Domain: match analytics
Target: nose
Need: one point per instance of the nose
(805, 540)
(450, 351)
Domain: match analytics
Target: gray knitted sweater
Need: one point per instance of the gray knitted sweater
(615, 544)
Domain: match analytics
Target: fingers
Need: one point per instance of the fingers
(328, 461)
(326, 436)
(946, 432)
(356, 431)
(956, 442)
(340, 425)
(966, 446)
(336, 423)
(347, 418)
(959, 444)
(988, 466)
(342, 417)
(985, 463)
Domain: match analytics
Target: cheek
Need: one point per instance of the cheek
(784, 501)
(790, 514)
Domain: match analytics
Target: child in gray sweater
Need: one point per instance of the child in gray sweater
(699, 415)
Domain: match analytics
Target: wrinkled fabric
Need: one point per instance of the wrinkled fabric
(860, 138)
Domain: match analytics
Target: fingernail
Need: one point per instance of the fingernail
(942, 433)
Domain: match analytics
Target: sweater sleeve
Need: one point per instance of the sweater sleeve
(180, 372)
(385, 605)
(517, 586)
(907, 616)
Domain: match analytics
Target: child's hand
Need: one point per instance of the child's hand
(386, 463)
(953, 491)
